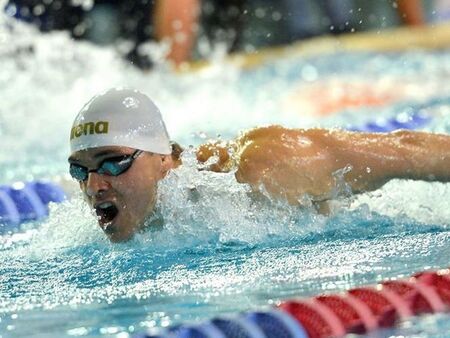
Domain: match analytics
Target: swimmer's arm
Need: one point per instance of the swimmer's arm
(292, 164)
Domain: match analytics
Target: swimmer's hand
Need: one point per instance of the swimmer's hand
(219, 152)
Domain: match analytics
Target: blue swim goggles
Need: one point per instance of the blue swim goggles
(114, 166)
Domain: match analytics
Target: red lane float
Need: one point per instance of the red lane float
(364, 309)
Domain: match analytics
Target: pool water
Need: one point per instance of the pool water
(222, 251)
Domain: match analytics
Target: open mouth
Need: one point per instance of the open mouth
(106, 213)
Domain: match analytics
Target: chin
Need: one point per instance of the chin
(120, 232)
(117, 237)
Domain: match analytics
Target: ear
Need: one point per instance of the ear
(166, 164)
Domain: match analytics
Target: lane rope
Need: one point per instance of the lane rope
(359, 310)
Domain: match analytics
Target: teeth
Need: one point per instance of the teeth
(104, 205)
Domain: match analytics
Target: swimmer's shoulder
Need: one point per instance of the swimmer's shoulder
(278, 135)
(278, 131)
(261, 144)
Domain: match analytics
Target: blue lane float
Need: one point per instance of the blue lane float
(23, 202)
(411, 117)
(273, 323)
(411, 121)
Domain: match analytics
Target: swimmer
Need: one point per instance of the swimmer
(120, 150)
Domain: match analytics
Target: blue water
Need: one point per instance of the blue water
(98, 288)
(223, 251)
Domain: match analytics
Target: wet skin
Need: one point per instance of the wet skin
(131, 194)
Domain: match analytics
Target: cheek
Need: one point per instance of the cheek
(149, 174)
(140, 183)
(140, 197)
(138, 186)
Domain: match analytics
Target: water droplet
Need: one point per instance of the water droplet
(260, 13)
(309, 73)
(87, 5)
(131, 102)
(38, 10)
(276, 16)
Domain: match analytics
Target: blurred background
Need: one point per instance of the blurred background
(193, 29)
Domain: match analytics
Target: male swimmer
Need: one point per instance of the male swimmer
(120, 150)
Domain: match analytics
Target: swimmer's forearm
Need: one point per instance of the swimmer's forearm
(375, 159)
(428, 155)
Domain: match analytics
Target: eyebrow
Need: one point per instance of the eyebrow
(72, 159)
(100, 155)
(108, 152)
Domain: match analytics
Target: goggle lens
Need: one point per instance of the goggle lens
(115, 167)
(78, 172)
(110, 167)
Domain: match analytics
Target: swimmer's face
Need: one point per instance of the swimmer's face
(121, 202)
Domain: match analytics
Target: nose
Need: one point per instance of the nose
(96, 184)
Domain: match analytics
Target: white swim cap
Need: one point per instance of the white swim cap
(120, 117)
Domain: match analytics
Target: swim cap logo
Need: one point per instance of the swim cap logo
(100, 127)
